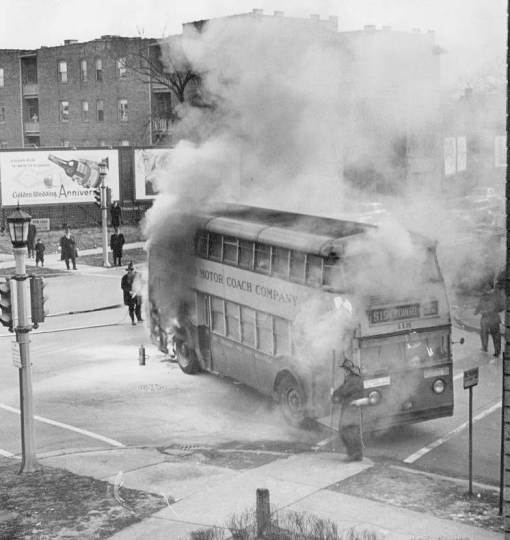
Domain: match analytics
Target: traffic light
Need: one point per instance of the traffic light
(37, 300)
(97, 196)
(108, 197)
(6, 304)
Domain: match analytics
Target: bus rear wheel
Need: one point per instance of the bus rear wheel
(186, 358)
(291, 400)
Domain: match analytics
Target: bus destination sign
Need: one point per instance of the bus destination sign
(394, 313)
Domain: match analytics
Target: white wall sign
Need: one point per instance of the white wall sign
(55, 176)
(151, 166)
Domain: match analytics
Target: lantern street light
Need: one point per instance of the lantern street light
(18, 223)
(103, 171)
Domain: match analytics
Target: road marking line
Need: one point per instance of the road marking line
(426, 449)
(67, 426)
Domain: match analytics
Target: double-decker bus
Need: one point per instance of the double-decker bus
(275, 300)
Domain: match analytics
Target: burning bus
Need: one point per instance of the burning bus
(277, 300)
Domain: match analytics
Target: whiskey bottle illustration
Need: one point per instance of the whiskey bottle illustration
(83, 171)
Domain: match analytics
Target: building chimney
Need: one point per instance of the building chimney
(315, 17)
(257, 11)
(369, 27)
(69, 41)
(278, 13)
(333, 19)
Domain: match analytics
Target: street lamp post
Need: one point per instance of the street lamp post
(103, 171)
(18, 223)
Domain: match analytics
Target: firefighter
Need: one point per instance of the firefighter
(489, 306)
(350, 414)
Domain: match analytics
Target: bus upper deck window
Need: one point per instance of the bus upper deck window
(215, 245)
(313, 270)
(332, 275)
(246, 254)
(280, 264)
(230, 250)
(262, 258)
(297, 266)
(201, 244)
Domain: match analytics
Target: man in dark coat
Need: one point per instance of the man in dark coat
(490, 304)
(132, 299)
(32, 231)
(116, 243)
(350, 414)
(68, 248)
(115, 213)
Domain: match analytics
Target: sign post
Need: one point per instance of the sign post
(470, 380)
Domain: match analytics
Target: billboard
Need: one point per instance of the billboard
(55, 176)
(150, 164)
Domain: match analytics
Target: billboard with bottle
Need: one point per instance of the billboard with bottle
(151, 166)
(55, 176)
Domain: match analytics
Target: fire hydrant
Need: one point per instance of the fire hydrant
(141, 355)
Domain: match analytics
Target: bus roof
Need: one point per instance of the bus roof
(313, 234)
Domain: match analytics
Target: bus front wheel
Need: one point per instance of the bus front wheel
(291, 400)
(186, 358)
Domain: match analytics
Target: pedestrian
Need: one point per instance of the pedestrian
(130, 285)
(68, 251)
(116, 214)
(39, 252)
(32, 231)
(489, 306)
(117, 241)
(350, 414)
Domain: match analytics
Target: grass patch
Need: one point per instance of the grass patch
(442, 498)
(54, 503)
(137, 255)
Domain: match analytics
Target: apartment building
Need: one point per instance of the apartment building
(76, 94)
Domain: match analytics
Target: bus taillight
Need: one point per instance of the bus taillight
(439, 386)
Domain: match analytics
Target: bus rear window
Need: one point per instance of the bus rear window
(313, 270)
(297, 266)
(215, 243)
(262, 254)
(230, 250)
(245, 254)
(280, 265)
(201, 244)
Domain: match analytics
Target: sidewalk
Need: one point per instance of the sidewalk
(200, 496)
(53, 259)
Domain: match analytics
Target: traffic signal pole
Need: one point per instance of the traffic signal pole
(104, 223)
(29, 460)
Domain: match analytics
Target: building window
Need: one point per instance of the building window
(64, 111)
(85, 111)
(65, 143)
(101, 142)
(121, 68)
(500, 151)
(2, 82)
(62, 71)
(100, 110)
(2, 113)
(455, 155)
(124, 142)
(3, 144)
(83, 70)
(123, 110)
(99, 69)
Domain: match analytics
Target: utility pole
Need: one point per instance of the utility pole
(505, 415)
(103, 171)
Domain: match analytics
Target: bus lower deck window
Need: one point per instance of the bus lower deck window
(248, 326)
(264, 333)
(218, 316)
(281, 336)
(233, 322)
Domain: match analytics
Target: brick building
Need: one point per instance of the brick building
(77, 94)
